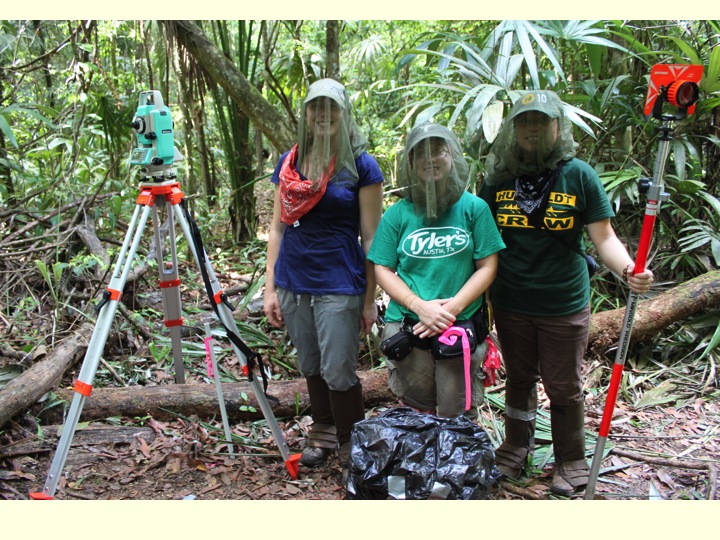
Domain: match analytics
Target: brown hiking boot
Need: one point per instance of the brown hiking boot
(569, 477)
(511, 460)
(321, 440)
(568, 435)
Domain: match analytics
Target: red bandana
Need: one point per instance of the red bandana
(298, 196)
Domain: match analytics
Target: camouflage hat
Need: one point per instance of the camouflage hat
(327, 88)
(544, 101)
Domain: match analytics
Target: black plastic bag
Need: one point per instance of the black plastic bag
(403, 454)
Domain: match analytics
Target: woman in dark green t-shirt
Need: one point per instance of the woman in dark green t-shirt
(543, 198)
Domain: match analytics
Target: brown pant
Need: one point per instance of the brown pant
(550, 349)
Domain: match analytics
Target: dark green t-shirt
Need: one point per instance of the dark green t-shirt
(435, 260)
(539, 274)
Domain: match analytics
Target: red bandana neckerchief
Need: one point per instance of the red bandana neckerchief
(298, 196)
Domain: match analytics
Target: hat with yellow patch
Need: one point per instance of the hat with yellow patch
(544, 101)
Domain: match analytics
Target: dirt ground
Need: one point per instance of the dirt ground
(658, 453)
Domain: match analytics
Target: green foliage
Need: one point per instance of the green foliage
(68, 91)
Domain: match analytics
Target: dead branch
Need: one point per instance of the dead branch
(43, 376)
(88, 236)
(660, 461)
(713, 480)
(525, 493)
(712, 472)
(9, 352)
(41, 220)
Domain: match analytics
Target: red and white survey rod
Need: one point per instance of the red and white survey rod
(676, 84)
(656, 196)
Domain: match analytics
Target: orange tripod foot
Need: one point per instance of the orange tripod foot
(292, 465)
(40, 496)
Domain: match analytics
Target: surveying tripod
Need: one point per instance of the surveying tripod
(161, 192)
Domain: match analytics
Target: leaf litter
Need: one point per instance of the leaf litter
(189, 459)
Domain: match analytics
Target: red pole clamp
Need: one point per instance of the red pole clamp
(115, 295)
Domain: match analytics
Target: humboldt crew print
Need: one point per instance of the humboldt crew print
(559, 216)
(527, 278)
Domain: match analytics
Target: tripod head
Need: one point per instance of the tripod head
(155, 150)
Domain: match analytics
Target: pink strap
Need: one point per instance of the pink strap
(449, 337)
(208, 358)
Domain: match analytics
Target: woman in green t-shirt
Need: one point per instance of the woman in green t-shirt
(435, 254)
(543, 198)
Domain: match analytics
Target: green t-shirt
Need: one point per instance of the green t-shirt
(537, 274)
(435, 260)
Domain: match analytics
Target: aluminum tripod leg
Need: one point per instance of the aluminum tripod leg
(83, 386)
(229, 322)
(170, 287)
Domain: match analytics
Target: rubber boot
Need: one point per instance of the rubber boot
(568, 434)
(322, 439)
(513, 455)
(348, 408)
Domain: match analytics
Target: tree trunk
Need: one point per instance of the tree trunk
(332, 50)
(167, 401)
(43, 376)
(185, 101)
(261, 113)
(208, 179)
(5, 172)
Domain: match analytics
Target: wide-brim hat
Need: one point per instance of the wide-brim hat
(544, 101)
(329, 88)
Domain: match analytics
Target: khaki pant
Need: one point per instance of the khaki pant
(325, 330)
(428, 384)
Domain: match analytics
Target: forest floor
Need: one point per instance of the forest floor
(658, 453)
(668, 450)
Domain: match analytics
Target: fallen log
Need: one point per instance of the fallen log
(654, 314)
(25, 389)
(87, 436)
(165, 402)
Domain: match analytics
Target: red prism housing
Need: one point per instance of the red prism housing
(674, 78)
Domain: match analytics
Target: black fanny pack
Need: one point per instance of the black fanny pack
(398, 346)
(442, 350)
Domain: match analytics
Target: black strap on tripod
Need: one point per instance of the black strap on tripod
(253, 358)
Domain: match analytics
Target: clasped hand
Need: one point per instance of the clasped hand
(435, 317)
